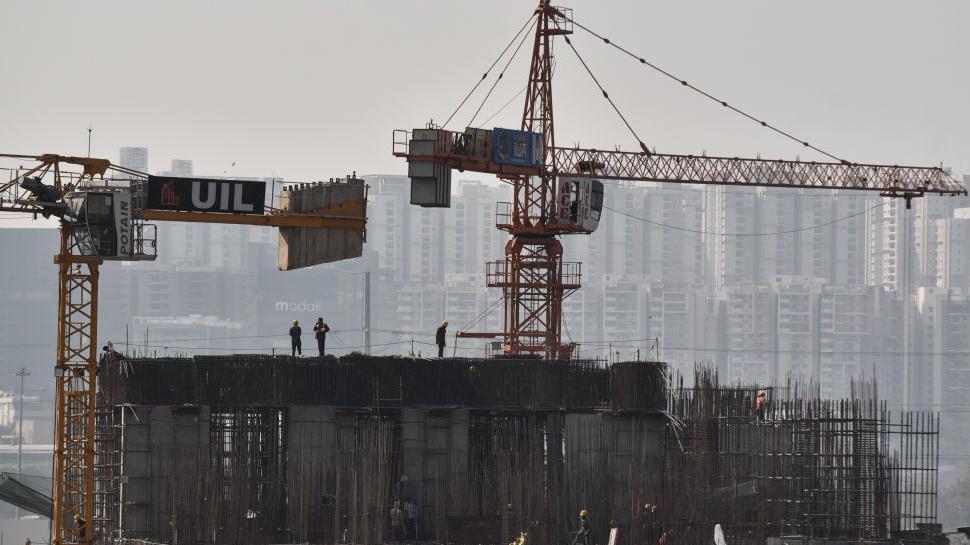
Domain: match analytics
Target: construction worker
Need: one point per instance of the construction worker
(582, 534)
(109, 355)
(320, 330)
(760, 404)
(397, 522)
(439, 338)
(410, 518)
(296, 346)
(82, 527)
(653, 529)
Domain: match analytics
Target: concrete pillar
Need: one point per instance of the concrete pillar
(460, 500)
(555, 511)
(190, 480)
(412, 463)
(311, 494)
(161, 429)
(136, 476)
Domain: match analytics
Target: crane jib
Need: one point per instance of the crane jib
(205, 195)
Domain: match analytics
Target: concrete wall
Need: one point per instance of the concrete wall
(166, 451)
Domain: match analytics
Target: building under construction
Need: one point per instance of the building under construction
(258, 449)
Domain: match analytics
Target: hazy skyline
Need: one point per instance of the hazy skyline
(315, 89)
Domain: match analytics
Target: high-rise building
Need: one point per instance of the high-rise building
(182, 167)
(583, 319)
(134, 158)
(840, 246)
(731, 220)
(751, 317)
(926, 214)
(797, 327)
(625, 313)
(471, 238)
(410, 239)
(952, 250)
(859, 334)
(684, 321)
(944, 333)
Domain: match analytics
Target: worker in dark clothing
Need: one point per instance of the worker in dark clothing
(296, 345)
(439, 338)
(82, 527)
(397, 522)
(582, 534)
(110, 355)
(320, 330)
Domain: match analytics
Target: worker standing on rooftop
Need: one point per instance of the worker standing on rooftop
(296, 346)
(439, 338)
(320, 330)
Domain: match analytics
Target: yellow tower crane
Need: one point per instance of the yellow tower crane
(105, 218)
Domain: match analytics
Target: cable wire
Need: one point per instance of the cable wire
(499, 78)
(485, 75)
(504, 106)
(643, 147)
(723, 103)
(775, 233)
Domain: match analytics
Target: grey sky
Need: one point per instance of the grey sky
(309, 90)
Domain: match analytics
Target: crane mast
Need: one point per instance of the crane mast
(533, 278)
(559, 192)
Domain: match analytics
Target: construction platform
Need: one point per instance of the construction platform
(259, 449)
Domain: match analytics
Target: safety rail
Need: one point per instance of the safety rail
(144, 240)
(399, 142)
(498, 275)
(471, 144)
(503, 215)
(562, 20)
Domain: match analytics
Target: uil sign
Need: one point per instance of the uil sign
(205, 195)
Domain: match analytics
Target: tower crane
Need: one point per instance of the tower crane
(107, 219)
(557, 190)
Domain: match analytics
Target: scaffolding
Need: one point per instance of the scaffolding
(799, 465)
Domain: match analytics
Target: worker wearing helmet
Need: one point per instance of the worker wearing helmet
(296, 345)
(760, 404)
(82, 527)
(582, 535)
(439, 338)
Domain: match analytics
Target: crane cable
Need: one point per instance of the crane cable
(643, 147)
(774, 233)
(502, 73)
(515, 96)
(485, 75)
(723, 103)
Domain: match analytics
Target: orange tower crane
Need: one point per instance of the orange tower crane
(557, 190)
(107, 219)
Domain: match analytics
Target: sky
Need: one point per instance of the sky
(308, 90)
